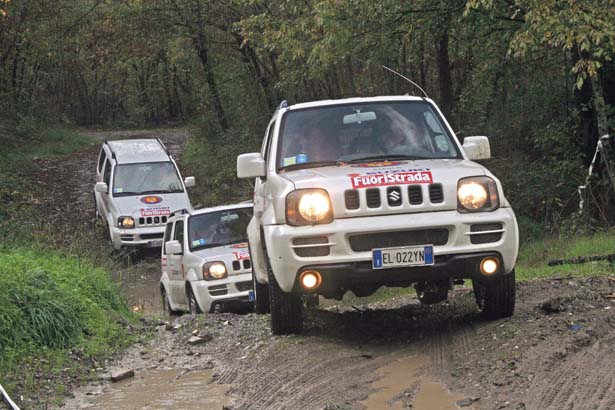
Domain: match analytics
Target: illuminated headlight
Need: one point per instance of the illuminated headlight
(214, 271)
(126, 222)
(308, 207)
(477, 194)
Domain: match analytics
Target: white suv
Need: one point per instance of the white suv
(355, 194)
(205, 260)
(138, 184)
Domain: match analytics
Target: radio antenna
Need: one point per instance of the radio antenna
(407, 79)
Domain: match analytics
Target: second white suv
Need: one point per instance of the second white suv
(355, 194)
(138, 185)
(205, 259)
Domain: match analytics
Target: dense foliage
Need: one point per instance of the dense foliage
(536, 76)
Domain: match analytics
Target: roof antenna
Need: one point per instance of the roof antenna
(407, 79)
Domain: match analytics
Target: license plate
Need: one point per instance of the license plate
(154, 244)
(251, 296)
(402, 256)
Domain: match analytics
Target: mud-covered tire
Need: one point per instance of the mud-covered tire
(193, 304)
(261, 296)
(495, 298)
(311, 302)
(166, 304)
(286, 309)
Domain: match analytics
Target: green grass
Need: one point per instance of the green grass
(52, 303)
(534, 256)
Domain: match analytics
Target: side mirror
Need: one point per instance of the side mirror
(477, 147)
(251, 166)
(173, 248)
(189, 182)
(101, 187)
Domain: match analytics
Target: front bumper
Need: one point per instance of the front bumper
(148, 237)
(233, 289)
(286, 264)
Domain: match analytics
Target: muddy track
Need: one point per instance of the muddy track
(558, 357)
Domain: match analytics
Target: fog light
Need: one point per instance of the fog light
(489, 266)
(311, 279)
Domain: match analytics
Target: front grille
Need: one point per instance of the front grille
(351, 197)
(415, 194)
(218, 290)
(246, 264)
(394, 196)
(244, 286)
(486, 237)
(312, 251)
(372, 197)
(153, 220)
(435, 193)
(367, 242)
(311, 240)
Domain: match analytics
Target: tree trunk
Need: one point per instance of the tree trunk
(444, 76)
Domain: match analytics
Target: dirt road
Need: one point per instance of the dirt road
(557, 352)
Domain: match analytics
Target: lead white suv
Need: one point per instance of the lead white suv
(205, 261)
(355, 194)
(137, 186)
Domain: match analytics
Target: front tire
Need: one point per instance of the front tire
(261, 296)
(193, 304)
(495, 297)
(286, 309)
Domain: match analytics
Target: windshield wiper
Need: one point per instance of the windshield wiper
(386, 158)
(311, 165)
(162, 191)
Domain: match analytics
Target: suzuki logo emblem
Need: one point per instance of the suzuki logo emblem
(394, 196)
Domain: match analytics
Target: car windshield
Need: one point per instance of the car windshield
(146, 178)
(362, 132)
(219, 228)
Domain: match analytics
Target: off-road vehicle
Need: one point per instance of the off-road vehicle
(205, 260)
(137, 186)
(359, 193)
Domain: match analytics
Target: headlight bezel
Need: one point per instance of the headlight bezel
(207, 275)
(121, 222)
(492, 201)
(294, 216)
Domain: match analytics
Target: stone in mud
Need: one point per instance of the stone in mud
(464, 402)
(557, 304)
(196, 340)
(122, 374)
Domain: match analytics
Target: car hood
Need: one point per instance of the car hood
(137, 207)
(236, 257)
(435, 173)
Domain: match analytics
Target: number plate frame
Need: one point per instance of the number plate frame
(402, 256)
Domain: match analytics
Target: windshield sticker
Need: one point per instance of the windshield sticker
(199, 242)
(241, 255)
(196, 243)
(242, 245)
(399, 178)
(118, 190)
(156, 211)
(379, 164)
(151, 199)
(297, 159)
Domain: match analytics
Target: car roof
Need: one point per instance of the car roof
(138, 150)
(356, 100)
(210, 209)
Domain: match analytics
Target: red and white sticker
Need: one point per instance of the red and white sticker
(241, 255)
(158, 211)
(397, 178)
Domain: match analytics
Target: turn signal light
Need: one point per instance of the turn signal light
(311, 279)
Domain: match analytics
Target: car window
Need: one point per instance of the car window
(178, 235)
(362, 131)
(146, 178)
(167, 235)
(219, 228)
(101, 159)
(107, 175)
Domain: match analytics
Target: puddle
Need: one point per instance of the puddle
(404, 384)
(164, 389)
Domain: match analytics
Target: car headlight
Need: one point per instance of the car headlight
(126, 222)
(214, 271)
(477, 194)
(308, 207)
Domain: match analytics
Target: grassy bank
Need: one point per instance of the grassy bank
(56, 313)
